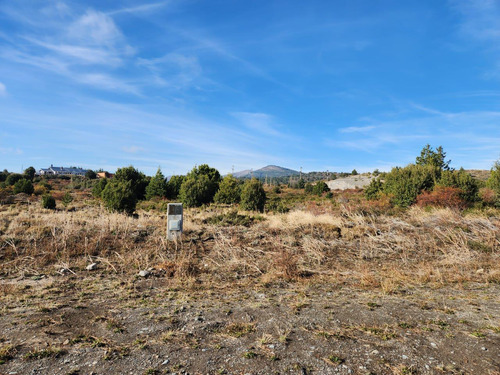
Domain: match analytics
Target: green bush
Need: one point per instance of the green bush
(405, 184)
(308, 188)
(67, 199)
(90, 174)
(138, 180)
(23, 186)
(320, 188)
(253, 196)
(174, 186)
(29, 173)
(354, 172)
(494, 179)
(200, 186)
(118, 195)
(3, 175)
(463, 181)
(99, 187)
(13, 178)
(196, 191)
(157, 186)
(48, 202)
(373, 191)
(229, 191)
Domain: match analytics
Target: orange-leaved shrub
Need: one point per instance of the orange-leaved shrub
(488, 196)
(442, 196)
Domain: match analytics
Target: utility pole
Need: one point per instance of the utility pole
(232, 169)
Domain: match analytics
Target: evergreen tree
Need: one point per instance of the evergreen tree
(119, 195)
(29, 173)
(157, 186)
(253, 195)
(174, 186)
(23, 186)
(138, 180)
(199, 186)
(229, 191)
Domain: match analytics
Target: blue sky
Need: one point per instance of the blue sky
(323, 85)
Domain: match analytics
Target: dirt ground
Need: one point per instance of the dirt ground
(105, 324)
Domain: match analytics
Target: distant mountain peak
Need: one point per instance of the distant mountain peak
(267, 171)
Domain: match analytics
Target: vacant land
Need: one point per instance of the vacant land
(326, 288)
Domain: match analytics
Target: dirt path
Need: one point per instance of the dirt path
(104, 325)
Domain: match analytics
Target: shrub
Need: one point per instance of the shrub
(308, 188)
(488, 196)
(320, 188)
(462, 180)
(494, 179)
(354, 172)
(29, 173)
(118, 195)
(277, 189)
(48, 202)
(200, 186)
(13, 178)
(138, 180)
(442, 196)
(174, 186)
(3, 175)
(90, 174)
(40, 190)
(67, 199)
(253, 196)
(404, 184)
(373, 191)
(229, 191)
(99, 187)
(196, 191)
(23, 186)
(276, 205)
(157, 186)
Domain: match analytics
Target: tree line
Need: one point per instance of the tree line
(202, 185)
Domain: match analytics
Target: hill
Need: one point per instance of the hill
(271, 171)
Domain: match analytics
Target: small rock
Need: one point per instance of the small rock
(434, 345)
(271, 346)
(63, 271)
(404, 356)
(91, 267)
(481, 270)
(165, 362)
(144, 273)
(483, 348)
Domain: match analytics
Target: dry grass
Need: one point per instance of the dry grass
(388, 252)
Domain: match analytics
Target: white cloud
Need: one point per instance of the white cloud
(260, 122)
(357, 129)
(132, 149)
(140, 8)
(106, 82)
(3, 89)
(95, 28)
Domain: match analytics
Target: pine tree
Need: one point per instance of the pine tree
(157, 186)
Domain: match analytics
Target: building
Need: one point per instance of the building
(53, 171)
(104, 175)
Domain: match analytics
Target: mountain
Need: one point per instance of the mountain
(271, 171)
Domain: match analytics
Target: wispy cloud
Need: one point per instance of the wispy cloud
(3, 89)
(480, 26)
(132, 149)
(357, 129)
(260, 122)
(140, 8)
